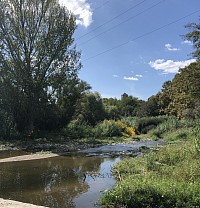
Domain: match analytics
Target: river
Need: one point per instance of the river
(71, 181)
(60, 182)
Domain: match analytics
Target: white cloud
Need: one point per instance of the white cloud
(82, 10)
(169, 47)
(138, 75)
(187, 42)
(115, 75)
(169, 66)
(131, 78)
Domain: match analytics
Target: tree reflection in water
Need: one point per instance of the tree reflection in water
(52, 182)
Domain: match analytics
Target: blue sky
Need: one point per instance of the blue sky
(132, 46)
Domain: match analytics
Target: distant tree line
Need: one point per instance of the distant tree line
(39, 85)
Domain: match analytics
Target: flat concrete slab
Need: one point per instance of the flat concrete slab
(15, 204)
(28, 157)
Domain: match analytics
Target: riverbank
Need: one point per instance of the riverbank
(36, 156)
(71, 181)
(46, 150)
(15, 204)
(167, 177)
(107, 150)
(44, 145)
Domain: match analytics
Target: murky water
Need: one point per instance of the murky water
(60, 182)
(64, 181)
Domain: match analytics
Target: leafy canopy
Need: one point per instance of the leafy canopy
(38, 62)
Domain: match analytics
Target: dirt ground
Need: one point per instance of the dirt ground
(14, 204)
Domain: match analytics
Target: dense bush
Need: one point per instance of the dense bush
(111, 128)
(174, 129)
(106, 128)
(143, 125)
(76, 130)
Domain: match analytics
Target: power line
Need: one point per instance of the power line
(141, 36)
(111, 19)
(101, 5)
(73, 12)
(94, 8)
(122, 23)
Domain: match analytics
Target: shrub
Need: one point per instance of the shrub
(76, 130)
(143, 125)
(173, 129)
(130, 120)
(111, 128)
(168, 125)
(108, 128)
(128, 131)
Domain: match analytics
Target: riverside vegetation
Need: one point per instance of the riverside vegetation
(167, 176)
(42, 98)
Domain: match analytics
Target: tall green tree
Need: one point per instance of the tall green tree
(38, 61)
(128, 106)
(194, 37)
(181, 96)
(165, 97)
(185, 92)
(111, 106)
(90, 109)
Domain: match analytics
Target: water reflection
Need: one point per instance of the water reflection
(58, 182)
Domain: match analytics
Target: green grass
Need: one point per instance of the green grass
(167, 178)
(152, 192)
(173, 129)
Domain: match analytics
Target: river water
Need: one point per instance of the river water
(75, 181)
(59, 182)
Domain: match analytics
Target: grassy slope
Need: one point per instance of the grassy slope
(168, 178)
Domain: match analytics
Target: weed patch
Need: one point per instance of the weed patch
(167, 178)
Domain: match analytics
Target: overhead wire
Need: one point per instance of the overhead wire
(101, 5)
(141, 36)
(130, 18)
(122, 13)
(92, 10)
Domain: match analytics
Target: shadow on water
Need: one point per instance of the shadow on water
(60, 182)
